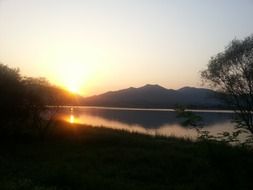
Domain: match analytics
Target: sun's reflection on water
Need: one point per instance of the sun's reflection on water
(71, 118)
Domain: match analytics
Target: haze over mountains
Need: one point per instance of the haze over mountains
(155, 96)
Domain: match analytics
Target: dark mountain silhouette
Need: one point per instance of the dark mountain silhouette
(155, 96)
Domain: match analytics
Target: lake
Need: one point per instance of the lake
(148, 121)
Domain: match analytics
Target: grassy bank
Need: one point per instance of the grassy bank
(82, 157)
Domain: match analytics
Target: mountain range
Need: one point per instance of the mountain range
(155, 96)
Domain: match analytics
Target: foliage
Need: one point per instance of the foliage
(12, 101)
(190, 119)
(231, 72)
(82, 157)
(195, 121)
(22, 103)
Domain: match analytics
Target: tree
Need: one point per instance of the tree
(11, 96)
(231, 72)
(23, 103)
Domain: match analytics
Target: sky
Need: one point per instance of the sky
(95, 46)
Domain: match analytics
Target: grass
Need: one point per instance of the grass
(81, 157)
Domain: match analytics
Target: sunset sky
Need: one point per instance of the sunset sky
(95, 46)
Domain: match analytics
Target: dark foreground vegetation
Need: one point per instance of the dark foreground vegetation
(82, 157)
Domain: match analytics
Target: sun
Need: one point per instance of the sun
(74, 76)
(74, 89)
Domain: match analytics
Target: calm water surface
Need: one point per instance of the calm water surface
(148, 121)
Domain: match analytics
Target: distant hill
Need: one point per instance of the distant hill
(155, 96)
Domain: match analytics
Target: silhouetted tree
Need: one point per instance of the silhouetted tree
(23, 101)
(11, 97)
(36, 101)
(231, 72)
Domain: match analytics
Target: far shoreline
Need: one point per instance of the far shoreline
(141, 109)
